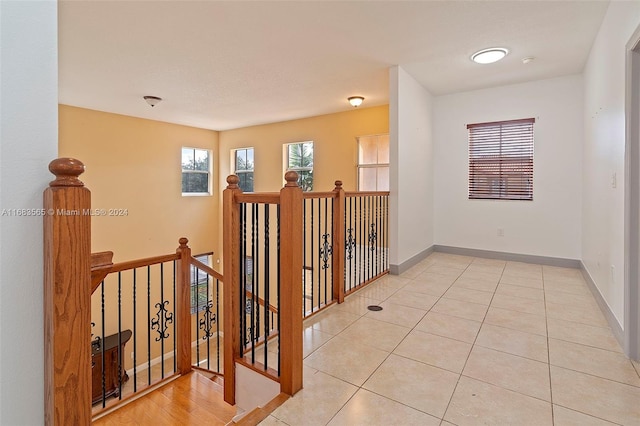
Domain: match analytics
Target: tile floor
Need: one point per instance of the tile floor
(465, 341)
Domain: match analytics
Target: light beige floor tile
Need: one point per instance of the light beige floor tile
(413, 300)
(368, 409)
(511, 372)
(606, 399)
(458, 308)
(313, 405)
(434, 350)
(481, 276)
(599, 337)
(598, 362)
(529, 323)
(580, 289)
(519, 304)
(331, 321)
(496, 263)
(525, 268)
(636, 364)
(272, 421)
(521, 281)
(433, 278)
(413, 383)
(312, 339)
(515, 342)
(346, 360)
(564, 417)
(429, 288)
(490, 268)
(584, 300)
(452, 259)
(355, 304)
(378, 334)
(520, 291)
(469, 295)
(475, 284)
(397, 314)
(448, 326)
(476, 402)
(447, 270)
(414, 271)
(589, 316)
(561, 272)
(397, 280)
(379, 290)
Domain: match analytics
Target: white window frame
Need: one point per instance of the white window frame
(209, 173)
(377, 165)
(299, 169)
(234, 154)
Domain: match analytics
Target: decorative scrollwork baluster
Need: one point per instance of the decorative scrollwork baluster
(326, 250)
(209, 319)
(373, 237)
(350, 244)
(162, 320)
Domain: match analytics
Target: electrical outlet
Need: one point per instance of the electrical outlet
(500, 232)
(614, 180)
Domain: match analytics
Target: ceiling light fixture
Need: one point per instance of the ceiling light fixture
(489, 56)
(355, 101)
(152, 100)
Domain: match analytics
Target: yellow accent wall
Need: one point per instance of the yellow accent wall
(335, 147)
(135, 164)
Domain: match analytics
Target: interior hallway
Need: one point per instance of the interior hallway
(465, 341)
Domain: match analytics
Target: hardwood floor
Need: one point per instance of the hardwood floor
(189, 400)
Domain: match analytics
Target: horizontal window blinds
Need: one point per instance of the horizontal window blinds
(501, 160)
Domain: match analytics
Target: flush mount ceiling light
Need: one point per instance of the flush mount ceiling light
(355, 101)
(152, 100)
(489, 56)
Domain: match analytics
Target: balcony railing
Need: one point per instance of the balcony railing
(287, 255)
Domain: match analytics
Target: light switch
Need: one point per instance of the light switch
(614, 180)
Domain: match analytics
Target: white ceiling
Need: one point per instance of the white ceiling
(223, 65)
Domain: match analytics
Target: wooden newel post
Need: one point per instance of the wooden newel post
(338, 242)
(67, 296)
(291, 285)
(231, 285)
(183, 307)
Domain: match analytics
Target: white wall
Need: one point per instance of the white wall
(604, 122)
(411, 167)
(550, 224)
(28, 131)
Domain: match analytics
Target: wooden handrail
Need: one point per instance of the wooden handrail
(366, 193)
(206, 268)
(262, 302)
(258, 198)
(101, 264)
(132, 264)
(326, 194)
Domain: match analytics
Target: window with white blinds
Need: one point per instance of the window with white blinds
(501, 160)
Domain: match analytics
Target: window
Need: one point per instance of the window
(243, 165)
(501, 160)
(200, 282)
(300, 160)
(196, 170)
(373, 163)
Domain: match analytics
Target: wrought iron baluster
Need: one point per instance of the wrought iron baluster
(217, 325)
(278, 282)
(312, 255)
(266, 282)
(304, 257)
(120, 360)
(253, 283)
(194, 291)
(208, 316)
(135, 335)
(319, 238)
(104, 383)
(149, 329)
(175, 344)
(243, 276)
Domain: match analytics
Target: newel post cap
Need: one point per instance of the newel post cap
(232, 182)
(291, 177)
(338, 185)
(66, 171)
